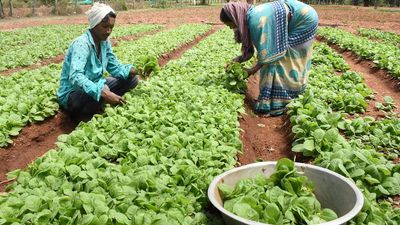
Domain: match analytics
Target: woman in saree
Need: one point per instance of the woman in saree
(282, 32)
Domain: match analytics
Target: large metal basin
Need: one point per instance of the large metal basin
(331, 189)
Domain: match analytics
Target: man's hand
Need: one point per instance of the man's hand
(133, 72)
(110, 97)
(237, 59)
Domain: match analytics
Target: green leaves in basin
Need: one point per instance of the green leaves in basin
(286, 197)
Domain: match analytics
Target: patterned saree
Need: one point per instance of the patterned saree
(284, 48)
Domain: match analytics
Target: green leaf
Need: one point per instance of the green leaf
(33, 203)
(309, 145)
(246, 211)
(357, 173)
(225, 190)
(121, 218)
(328, 215)
(43, 217)
(272, 213)
(319, 135)
(298, 148)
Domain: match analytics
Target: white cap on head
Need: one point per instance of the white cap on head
(97, 13)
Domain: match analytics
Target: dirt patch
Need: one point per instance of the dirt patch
(34, 140)
(354, 17)
(264, 138)
(396, 201)
(351, 17)
(208, 14)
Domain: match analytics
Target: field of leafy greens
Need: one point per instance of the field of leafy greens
(384, 55)
(318, 119)
(149, 161)
(156, 45)
(27, 96)
(385, 36)
(28, 46)
(30, 96)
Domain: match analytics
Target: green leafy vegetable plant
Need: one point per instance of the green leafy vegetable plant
(147, 65)
(384, 55)
(236, 77)
(387, 104)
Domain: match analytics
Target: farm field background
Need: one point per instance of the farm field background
(151, 160)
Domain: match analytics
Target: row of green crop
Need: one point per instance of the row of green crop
(28, 46)
(385, 36)
(384, 55)
(318, 118)
(164, 43)
(149, 161)
(30, 96)
(28, 36)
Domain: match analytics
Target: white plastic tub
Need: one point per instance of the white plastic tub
(332, 190)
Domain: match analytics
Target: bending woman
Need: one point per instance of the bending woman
(282, 33)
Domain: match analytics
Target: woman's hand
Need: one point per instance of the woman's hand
(253, 69)
(110, 97)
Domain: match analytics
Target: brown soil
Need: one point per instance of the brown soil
(351, 17)
(354, 17)
(159, 16)
(264, 138)
(37, 139)
(396, 200)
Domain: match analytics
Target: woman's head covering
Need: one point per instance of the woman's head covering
(97, 13)
(225, 17)
(238, 12)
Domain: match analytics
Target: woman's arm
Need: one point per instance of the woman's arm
(247, 53)
(254, 69)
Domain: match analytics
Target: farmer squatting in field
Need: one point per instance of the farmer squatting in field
(83, 88)
(282, 33)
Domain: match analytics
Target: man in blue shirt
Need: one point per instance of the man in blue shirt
(83, 88)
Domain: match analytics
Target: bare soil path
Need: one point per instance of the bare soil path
(264, 138)
(208, 14)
